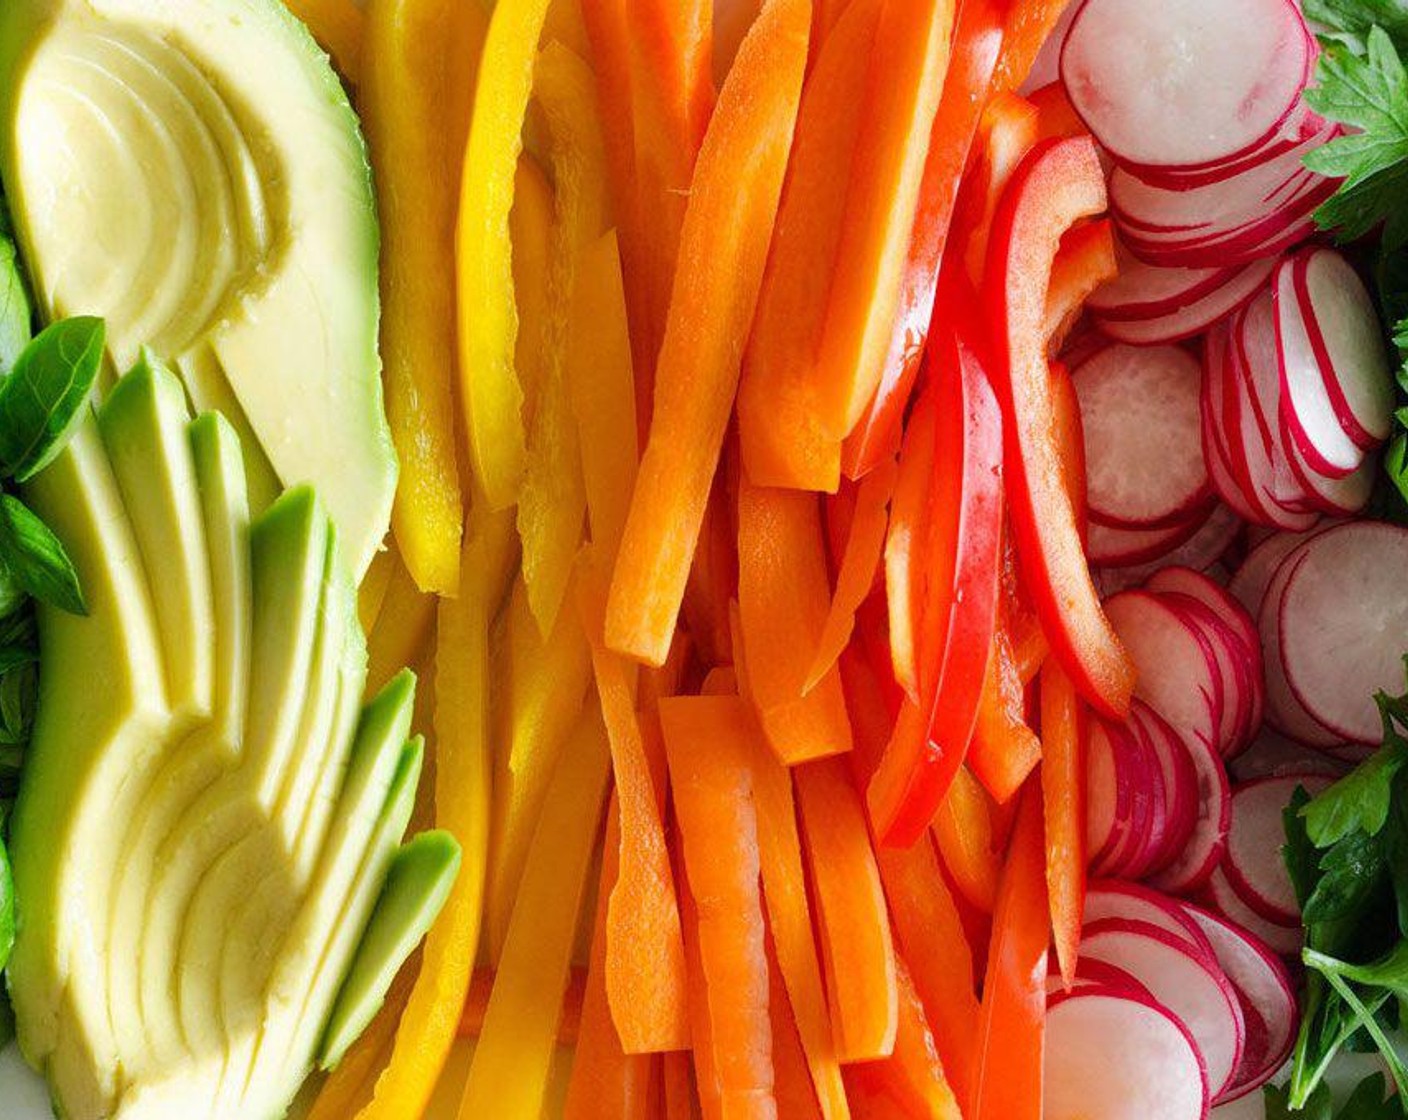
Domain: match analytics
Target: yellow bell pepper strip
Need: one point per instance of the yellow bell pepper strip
(349, 1087)
(723, 249)
(645, 967)
(854, 928)
(530, 225)
(339, 26)
(481, 987)
(422, 57)
(426, 1030)
(603, 396)
(372, 592)
(784, 599)
(606, 1082)
(508, 1078)
(403, 628)
(911, 56)
(490, 394)
(566, 25)
(548, 683)
(706, 743)
(790, 920)
(552, 502)
(781, 442)
(1063, 793)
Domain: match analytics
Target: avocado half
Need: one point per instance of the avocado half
(207, 842)
(191, 171)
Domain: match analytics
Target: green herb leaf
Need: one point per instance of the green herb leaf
(43, 398)
(1358, 801)
(1349, 21)
(37, 558)
(16, 314)
(1278, 1104)
(7, 908)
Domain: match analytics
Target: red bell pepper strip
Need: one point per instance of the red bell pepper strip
(960, 557)
(1085, 261)
(1063, 792)
(1059, 183)
(1004, 750)
(1006, 133)
(723, 249)
(1055, 115)
(1029, 24)
(1008, 1083)
(904, 544)
(1070, 438)
(977, 40)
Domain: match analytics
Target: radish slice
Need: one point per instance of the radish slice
(1233, 288)
(1222, 899)
(1190, 84)
(1120, 546)
(1110, 1057)
(1254, 576)
(1200, 551)
(1101, 791)
(1253, 861)
(1196, 863)
(1143, 456)
(1342, 619)
(1300, 125)
(1266, 993)
(1113, 898)
(1143, 291)
(1180, 785)
(1185, 980)
(1337, 497)
(1273, 755)
(1284, 711)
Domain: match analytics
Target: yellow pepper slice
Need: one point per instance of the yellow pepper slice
(512, 1066)
(421, 58)
(490, 394)
(338, 26)
(402, 629)
(372, 592)
(530, 225)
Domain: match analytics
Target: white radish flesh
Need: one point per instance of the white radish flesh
(1284, 711)
(1199, 859)
(1220, 897)
(1253, 861)
(1233, 288)
(1114, 898)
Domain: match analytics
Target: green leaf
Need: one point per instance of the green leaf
(1367, 1102)
(43, 398)
(1359, 800)
(37, 558)
(1349, 21)
(16, 314)
(1278, 1104)
(1352, 873)
(7, 908)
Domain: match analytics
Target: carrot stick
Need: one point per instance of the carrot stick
(1029, 25)
(1004, 750)
(963, 831)
(1009, 1042)
(606, 1082)
(854, 927)
(701, 1028)
(681, 1100)
(865, 546)
(707, 747)
(796, 1096)
(1063, 791)
(645, 972)
(784, 600)
(723, 248)
(712, 579)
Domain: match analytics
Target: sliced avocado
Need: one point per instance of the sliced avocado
(417, 885)
(192, 171)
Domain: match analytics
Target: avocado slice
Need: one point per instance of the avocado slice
(209, 818)
(192, 171)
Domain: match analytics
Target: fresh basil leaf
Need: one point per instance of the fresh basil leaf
(16, 314)
(37, 558)
(44, 397)
(7, 908)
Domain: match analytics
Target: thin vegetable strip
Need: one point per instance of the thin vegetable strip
(1063, 792)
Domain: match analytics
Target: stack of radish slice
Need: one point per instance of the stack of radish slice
(1210, 1010)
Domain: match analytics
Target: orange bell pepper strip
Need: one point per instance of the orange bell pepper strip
(912, 47)
(781, 441)
(491, 396)
(681, 1101)
(422, 60)
(911, 1082)
(723, 248)
(552, 500)
(784, 600)
(962, 531)
(977, 38)
(1007, 132)
(1085, 261)
(1056, 117)
(512, 1063)
(796, 1096)
(864, 549)
(603, 395)
(1063, 791)
(790, 920)
(707, 747)
(606, 1082)
(645, 966)
(963, 833)
(854, 928)
(1008, 1082)
(1029, 24)
(339, 26)
(1004, 751)
(1058, 184)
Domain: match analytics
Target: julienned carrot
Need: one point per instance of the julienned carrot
(1029, 25)
(1007, 1084)
(723, 248)
(790, 919)
(781, 442)
(422, 57)
(854, 924)
(1004, 750)
(913, 41)
(606, 1082)
(904, 545)
(706, 743)
(793, 1088)
(977, 39)
(1086, 260)
(865, 546)
(784, 598)
(509, 1074)
(963, 832)
(645, 969)
(701, 1028)
(339, 26)
(713, 578)
(552, 500)
(481, 987)
(1063, 793)
(681, 1101)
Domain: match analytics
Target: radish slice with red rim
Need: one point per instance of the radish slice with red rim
(1233, 288)
(1119, 546)
(1284, 711)
(1253, 861)
(1285, 941)
(1115, 898)
(1199, 859)
(1202, 549)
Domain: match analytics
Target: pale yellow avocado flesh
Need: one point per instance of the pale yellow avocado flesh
(191, 170)
(195, 878)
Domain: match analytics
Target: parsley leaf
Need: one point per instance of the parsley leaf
(1350, 21)
(1360, 800)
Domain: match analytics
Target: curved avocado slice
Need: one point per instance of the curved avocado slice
(192, 171)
